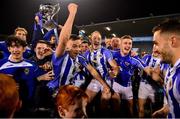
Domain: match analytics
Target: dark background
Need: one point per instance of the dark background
(21, 12)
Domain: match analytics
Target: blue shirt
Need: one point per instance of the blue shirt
(24, 72)
(127, 66)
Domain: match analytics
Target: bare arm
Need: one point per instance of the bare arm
(115, 69)
(155, 74)
(95, 74)
(66, 30)
(161, 113)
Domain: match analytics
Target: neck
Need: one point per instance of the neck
(15, 59)
(71, 55)
(175, 58)
(95, 48)
(123, 54)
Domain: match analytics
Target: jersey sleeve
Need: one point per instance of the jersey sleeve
(137, 62)
(177, 87)
(82, 60)
(108, 55)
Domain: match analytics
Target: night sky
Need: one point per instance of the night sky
(21, 12)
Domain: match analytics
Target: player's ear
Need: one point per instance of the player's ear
(61, 111)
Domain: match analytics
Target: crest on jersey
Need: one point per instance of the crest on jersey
(78, 67)
(99, 56)
(127, 63)
(26, 71)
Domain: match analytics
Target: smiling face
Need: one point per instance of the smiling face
(84, 47)
(16, 47)
(74, 47)
(115, 42)
(126, 46)
(40, 50)
(162, 46)
(16, 52)
(96, 40)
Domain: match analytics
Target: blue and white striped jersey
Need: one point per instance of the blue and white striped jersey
(81, 72)
(99, 60)
(172, 85)
(65, 69)
(151, 61)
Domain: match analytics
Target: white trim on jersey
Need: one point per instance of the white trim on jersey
(13, 65)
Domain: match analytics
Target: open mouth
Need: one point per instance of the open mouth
(126, 49)
(96, 43)
(156, 52)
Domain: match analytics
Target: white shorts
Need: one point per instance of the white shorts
(96, 86)
(126, 92)
(146, 91)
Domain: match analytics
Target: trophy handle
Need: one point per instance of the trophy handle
(56, 10)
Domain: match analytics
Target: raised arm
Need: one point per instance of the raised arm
(66, 30)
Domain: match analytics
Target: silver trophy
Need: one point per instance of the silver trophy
(48, 12)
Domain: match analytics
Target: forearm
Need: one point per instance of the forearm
(65, 33)
(98, 77)
(116, 70)
(95, 74)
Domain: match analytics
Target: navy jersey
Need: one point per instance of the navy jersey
(64, 69)
(127, 66)
(24, 72)
(3, 48)
(99, 60)
(172, 86)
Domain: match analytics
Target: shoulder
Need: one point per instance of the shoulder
(28, 62)
(2, 61)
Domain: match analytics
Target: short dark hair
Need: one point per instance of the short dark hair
(168, 25)
(85, 41)
(74, 37)
(14, 39)
(42, 41)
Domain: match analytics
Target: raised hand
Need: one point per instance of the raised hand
(72, 8)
